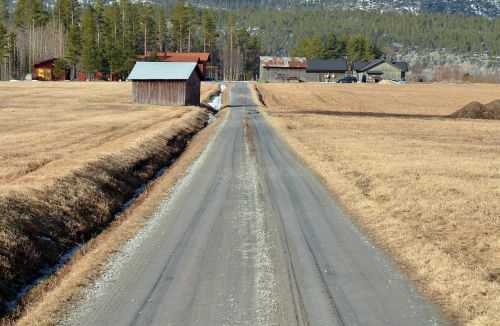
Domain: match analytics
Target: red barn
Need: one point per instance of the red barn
(44, 70)
(201, 58)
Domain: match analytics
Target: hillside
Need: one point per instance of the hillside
(486, 8)
(119, 30)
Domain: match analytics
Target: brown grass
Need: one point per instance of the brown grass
(48, 129)
(428, 190)
(72, 153)
(417, 99)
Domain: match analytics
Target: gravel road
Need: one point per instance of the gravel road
(250, 237)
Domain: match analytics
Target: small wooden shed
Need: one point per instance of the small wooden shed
(44, 70)
(166, 83)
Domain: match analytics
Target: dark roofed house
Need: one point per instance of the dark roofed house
(166, 83)
(358, 64)
(379, 68)
(326, 70)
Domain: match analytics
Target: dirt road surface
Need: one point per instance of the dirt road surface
(250, 237)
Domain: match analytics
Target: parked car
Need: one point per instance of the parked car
(348, 80)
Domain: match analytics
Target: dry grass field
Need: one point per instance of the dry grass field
(49, 129)
(412, 99)
(426, 188)
(70, 155)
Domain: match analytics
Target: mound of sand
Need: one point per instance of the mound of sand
(476, 110)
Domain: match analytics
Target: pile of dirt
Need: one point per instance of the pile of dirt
(493, 110)
(476, 110)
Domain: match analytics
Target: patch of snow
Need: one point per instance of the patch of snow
(216, 100)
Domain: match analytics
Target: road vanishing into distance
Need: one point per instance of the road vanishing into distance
(251, 237)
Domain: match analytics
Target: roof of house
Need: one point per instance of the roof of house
(361, 66)
(334, 65)
(283, 62)
(402, 65)
(44, 62)
(372, 64)
(358, 64)
(180, 56)
(163, 70)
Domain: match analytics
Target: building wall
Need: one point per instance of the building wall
(389, 71)
(162, 92)
(269, 74)
(168, 92)
(193, 89)
(320, 77)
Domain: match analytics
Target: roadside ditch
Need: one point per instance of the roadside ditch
(43, 229)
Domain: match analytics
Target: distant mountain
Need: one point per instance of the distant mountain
(486, 8)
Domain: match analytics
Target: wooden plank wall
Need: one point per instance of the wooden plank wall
(193, 89)
(269, 74)
(164, 92)
(168, 92)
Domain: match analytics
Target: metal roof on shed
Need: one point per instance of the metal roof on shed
(162, 70)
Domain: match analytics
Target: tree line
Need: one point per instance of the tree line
(108, 35)
(351, 47)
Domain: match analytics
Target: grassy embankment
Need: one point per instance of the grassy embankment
(425, 187)
(71, 155)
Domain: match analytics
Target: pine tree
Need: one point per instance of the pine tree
(332, 46)
(179, 24)
(192, 24)
(230, 27)
(66, 12)
(3, 46)
(311, 48)
(4, 12)
(209, 26)
(73, 47)
(250, 48)
(114, 53)
(147, 25)
(160, 27)
(30, 14)
(89, 55)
